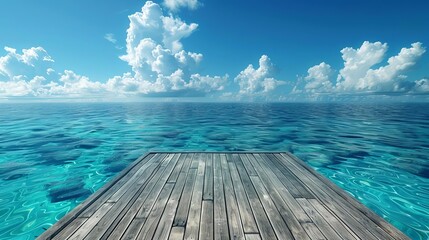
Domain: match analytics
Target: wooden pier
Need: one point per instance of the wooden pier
(200, 195)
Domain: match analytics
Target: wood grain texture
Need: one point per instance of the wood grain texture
(247, 218)
(225, 195)
(207, 228)
(220, 222)
(164, 227)
(233, 215)
(194, 214)
(274, 189)
(264, 226)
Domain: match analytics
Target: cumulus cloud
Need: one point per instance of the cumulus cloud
(154, 51)
(18, 87)
(207, 83)
(127, 84)
(25, 73)
(357, 62)
(72, 84)
(318, 78)
(157, 58)
(260, 80)
(174, 5)
(359, 75)
(30, 63)
(30, 73)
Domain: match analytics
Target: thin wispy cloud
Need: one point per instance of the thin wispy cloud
(110, 37)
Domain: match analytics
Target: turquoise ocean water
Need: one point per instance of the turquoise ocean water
(54, 155)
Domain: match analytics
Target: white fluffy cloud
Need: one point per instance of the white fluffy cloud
(154, 51)
(207, 83)
(157, 58)
(359, 75)
(357, 62)
(76, 85)
(19, 87)
(260, 80)
(24, 74)
(174, 5)
(70, 85)
(30, 63)
(318, 78)
(30, 74)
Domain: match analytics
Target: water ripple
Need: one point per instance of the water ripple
(52, 156)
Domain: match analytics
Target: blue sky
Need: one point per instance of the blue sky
(299, 50)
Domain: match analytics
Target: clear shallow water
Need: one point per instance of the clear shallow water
(53, 156)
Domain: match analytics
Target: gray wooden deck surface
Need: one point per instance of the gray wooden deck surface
(198, 195)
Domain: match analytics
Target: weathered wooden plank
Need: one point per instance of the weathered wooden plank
(264, 225)
(361, 226)
(321, 223)
(148, 204)
(135, 178)
(141, 210)
(133, 229)
(70, 229)
(89, 224)
(246, 214)
(343, 230)
(115, 232)
(106, 224)
(339, 204)
(293, 184)
(220, 220)
(252, 236)
(148, 229)
(195, 160)
(175, 174)
(280, 228)
(151, 168)
(232, 213)
(272, 185)
(177, 233)
(187, 163)
(185, 199)
(249, 167)
(283, 191)
(116, 223)
(103, 192)
(222, 196)
(313, 232)
(351, 201)
(207, 228)
(194, 216)
(151, 198)
(182, 211)
(164, 226)
(208, 177)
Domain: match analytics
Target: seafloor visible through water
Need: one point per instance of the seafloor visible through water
(53, 156)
